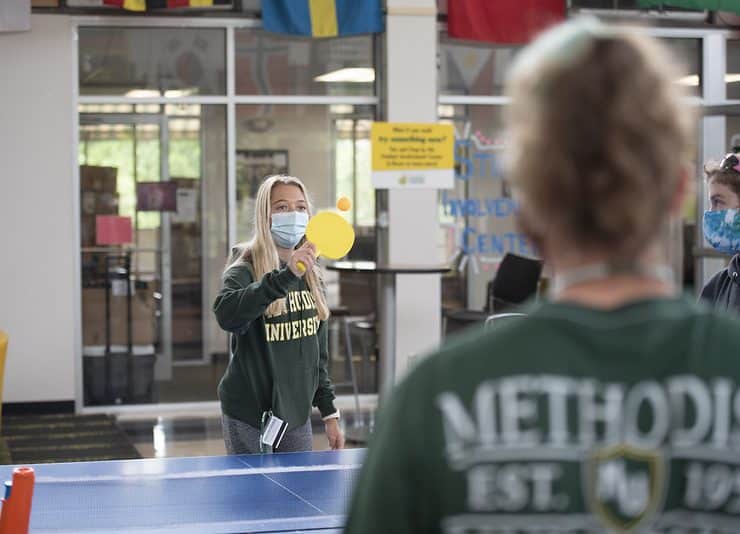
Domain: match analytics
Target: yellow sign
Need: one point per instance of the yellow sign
(412, 155)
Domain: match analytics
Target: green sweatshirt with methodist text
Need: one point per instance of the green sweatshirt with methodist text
(278, 363)
(568, 420)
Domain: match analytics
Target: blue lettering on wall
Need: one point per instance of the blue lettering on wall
(473, 242)
(499, 208)
(482, 164)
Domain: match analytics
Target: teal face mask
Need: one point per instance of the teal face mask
(288, 228)
(722, 230)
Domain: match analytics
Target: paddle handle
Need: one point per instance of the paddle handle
(16, 511)
(301, 267)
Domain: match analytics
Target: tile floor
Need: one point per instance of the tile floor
(191, 434)
(198, 435)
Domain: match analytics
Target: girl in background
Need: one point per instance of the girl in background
(722, 230)
(272, 303)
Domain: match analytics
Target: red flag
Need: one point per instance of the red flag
(502, 21)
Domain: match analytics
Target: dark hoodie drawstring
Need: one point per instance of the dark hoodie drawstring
(733, 268)
(729, 305)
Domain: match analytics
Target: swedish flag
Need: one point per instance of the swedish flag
(322, 18)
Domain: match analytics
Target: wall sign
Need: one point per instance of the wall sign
(412, 155)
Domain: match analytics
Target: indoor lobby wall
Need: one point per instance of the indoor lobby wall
(38, 295)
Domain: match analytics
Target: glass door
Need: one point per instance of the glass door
(151, 252)
(126, 295)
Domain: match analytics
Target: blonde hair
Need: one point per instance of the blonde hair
(262, 253)
(598, 136)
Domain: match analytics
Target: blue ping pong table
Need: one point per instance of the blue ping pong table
(218, 494)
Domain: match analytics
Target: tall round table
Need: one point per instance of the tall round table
(386, 273)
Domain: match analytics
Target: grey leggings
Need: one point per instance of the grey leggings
(241, 438)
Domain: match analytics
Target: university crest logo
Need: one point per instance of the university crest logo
(625, 485)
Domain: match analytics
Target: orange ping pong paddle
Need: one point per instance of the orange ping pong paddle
(16, 506)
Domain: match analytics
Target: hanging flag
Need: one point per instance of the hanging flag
(711, 5)
(148, 5)
(502, 21)
(469, 62)
(131, 5)
(322, 18)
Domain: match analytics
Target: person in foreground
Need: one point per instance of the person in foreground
(272, 303)
(614, 405)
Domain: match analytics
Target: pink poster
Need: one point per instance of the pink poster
(113, 230)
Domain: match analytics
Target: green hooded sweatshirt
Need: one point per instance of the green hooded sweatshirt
(278, 363)
(572, 419)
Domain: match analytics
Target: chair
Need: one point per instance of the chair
(358, 297)
(498, 318)
(341, 313)
(515, 282)
(456, 321)
(361, 327)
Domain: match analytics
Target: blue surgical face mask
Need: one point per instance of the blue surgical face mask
(288, 228)
(722, 230)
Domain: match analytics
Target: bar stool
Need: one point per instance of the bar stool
(363, 328)
(341, 313)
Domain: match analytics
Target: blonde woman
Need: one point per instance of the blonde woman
(273, 305)
(614, 406)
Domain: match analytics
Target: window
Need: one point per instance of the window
(313, 143)
(146, 62)
(478, 215)
(267, 64)
(473, 69)
(732, 78)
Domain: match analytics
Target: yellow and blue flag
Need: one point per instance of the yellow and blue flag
(322, 18)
